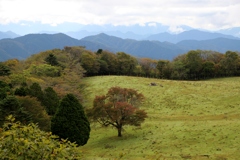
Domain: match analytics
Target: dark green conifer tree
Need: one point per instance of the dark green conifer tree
(4, 70)
(21, 91)
(50, 100)
(4, 87)
(11, 105)
(70, 121)
(35, 90)
(52, 60)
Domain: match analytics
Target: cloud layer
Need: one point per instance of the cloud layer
(205, 14)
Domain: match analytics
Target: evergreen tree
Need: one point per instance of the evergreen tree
(52, 60)
(50, 100)
(3, 94)
(21, 91)
(4, 70)
(11, 105)
(99, 51)
(4, 87)
(70, 121)
(35, 90)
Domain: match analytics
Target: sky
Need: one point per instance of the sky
(204, 14)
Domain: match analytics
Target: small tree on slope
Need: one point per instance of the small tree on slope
(70, 121)
(118, 108)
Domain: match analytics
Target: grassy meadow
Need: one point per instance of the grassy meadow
(186, 120)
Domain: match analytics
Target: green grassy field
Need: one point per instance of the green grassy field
(187, 120)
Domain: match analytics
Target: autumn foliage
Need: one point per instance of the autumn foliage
(117, 108)
(19, 141)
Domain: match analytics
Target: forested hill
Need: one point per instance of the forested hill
(23, 47)
(145, 48)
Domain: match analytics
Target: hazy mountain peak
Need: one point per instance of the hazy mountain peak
(8, 34)
(188, 35)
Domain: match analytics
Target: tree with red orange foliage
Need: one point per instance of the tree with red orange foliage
(117, 108)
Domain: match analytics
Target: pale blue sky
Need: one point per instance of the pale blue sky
(205, 14)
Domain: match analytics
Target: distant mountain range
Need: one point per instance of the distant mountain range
(219, 44)
(79, 31)
(144, 48)
(128, 35)
(162, 37)
(24, 46)
(188, 35)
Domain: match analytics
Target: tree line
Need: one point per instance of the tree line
(194, 65)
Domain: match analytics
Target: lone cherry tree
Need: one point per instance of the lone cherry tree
(117, 108)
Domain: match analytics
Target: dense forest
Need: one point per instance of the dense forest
(52, 79)
(194, 65)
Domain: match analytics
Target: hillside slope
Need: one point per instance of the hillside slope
(186, 120)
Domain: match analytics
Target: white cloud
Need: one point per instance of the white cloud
(152, 24)
(206, 14)
(175, 29)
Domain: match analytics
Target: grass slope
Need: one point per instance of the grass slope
(187, 120)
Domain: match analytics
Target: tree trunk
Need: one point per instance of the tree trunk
(119, 131)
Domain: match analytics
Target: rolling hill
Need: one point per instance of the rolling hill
(186, 120)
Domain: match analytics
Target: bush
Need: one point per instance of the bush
(29, 142)
(45, 70)
(36, 112)
(21, 91)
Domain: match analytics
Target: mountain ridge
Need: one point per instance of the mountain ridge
(188, 35)
(24, 46)
(212, 44)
